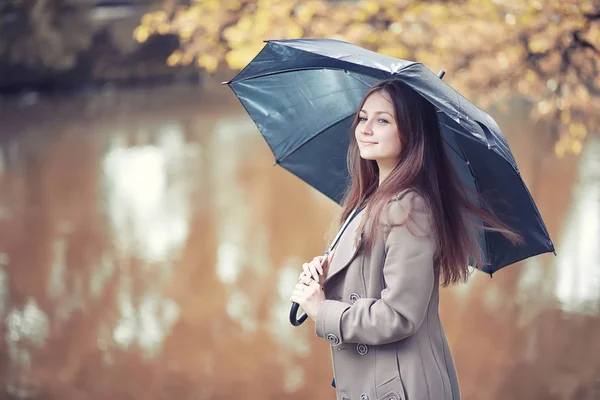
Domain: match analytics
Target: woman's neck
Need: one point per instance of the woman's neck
(384, 171)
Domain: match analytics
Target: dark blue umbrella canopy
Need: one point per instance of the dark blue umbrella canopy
(303, 95)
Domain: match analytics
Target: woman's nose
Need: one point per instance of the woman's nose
(367, 130)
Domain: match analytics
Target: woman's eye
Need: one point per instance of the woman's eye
(383, 121)
(362, 119)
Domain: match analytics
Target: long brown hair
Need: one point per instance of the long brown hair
(424, 168)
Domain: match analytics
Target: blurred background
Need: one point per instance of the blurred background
(148, 246)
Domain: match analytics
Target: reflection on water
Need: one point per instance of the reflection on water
(149, 213)
(578, 265)
(149, 208)
(148, 248)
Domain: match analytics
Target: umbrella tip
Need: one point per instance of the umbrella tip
(441, 74)
(225, 83)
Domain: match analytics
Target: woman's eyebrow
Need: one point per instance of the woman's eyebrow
(377, 112)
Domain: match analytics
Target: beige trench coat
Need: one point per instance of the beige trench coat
(381, 313)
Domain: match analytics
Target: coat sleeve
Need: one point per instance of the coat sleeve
(409, 277)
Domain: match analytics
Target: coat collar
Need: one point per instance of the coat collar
(346, 248)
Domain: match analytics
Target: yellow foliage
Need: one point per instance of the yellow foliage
(560, 148)
(394, 51)
(576, 147)
(174, 59)
(305, 13)
(439, 11)
(163, 28)
(186, 34)
(578, 130)
(141, 34)
(293, 31)
(478, 42)
(239, 58)
(234, 36)
(442, 42)
(208, 62)
(233, 5)
(211, 4)
(370, 6)
(539, 45)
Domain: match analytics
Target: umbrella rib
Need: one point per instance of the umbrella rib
(461, 156)
(285, 71)
(311, 138)
(485, 234)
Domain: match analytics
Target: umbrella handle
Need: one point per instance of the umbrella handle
(294, 320)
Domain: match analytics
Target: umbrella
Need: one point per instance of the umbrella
(303, 94)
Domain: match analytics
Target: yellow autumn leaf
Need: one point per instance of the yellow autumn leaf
(147, 19)
(576, 147)
(211, 4)
(174, 58)
(438, 11)
(140, 34)
(234, 38)
(370, 7)
(539, 45)
(233, 5)
(371, 38)
(530, 76)
(186, 34)
(154, 17)
(442, 42)
(208, 62)
(294, 31)
(304, 14)
(245, 23)
(578, 130)
(239, 58)
(559, 149)
(163, 28)
(394, 51)
(360, 16)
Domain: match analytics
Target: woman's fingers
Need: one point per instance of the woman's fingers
(306, 269)
(313, 270)
(305, 280)
(318, 263)
(310, 270)
(299, 294)
(302, 291)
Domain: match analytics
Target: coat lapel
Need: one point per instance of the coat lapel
(346, 249)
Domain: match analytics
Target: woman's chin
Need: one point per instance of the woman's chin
(366, 156)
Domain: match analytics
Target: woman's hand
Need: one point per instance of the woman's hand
(316, 269)
(308, 293)
(309, 296)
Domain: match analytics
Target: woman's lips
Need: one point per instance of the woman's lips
(365, 143)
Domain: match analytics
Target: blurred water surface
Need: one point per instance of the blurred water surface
(148, 248)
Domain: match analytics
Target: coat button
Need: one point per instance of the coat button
(362, 349)
(333, 339)
(364, 397)
(393, 397)
(354, 297)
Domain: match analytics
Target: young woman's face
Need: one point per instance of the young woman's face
(377, 131)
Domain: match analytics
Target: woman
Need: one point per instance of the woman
(376, 299)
